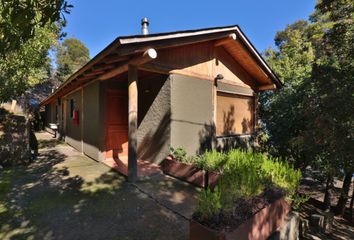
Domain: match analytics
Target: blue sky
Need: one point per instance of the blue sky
(97, 23)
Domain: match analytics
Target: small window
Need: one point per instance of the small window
(234, 115)
(72, 107)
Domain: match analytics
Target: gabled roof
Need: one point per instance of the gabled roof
(125, 48)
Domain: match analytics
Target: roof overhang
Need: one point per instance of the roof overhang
(126, 49)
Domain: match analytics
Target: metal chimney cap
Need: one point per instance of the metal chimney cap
(144, 21)
(144, 26)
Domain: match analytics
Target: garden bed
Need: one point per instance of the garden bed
(258, 226)
(189, 173)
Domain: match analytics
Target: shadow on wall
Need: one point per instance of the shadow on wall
(229, 121)
(155, 140)
(209, 139)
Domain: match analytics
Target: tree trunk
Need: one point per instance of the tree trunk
(342, 202)
(328, 193)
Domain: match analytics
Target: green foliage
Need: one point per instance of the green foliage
(27, 31)
(311, 120)
(179, 153)
(281, 174)
(20, 20)
(245, 175)
(28, 65)
(209, 204)
(331, 102)
(242, 176)
(297, 200)
(211, 161)
(71, 55)
(284, 112)
(5, 183)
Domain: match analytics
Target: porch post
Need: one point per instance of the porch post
(132, 122)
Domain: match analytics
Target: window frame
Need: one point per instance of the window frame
(252, 97)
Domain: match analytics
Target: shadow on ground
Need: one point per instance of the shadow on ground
(61, 196)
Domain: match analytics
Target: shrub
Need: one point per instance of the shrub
(241, 177)
(209, 204)
(179, 154)
(245, 175)
(281, 174)
(211, 161)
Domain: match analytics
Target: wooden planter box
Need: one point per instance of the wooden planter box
(189, 173)
(259, 227)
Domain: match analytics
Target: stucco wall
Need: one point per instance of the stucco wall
(73, 132)
(191, 113)
(92, 120)
(154, 110)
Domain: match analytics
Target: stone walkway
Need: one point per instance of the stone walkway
(66, 195)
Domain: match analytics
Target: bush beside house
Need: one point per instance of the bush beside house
(15, 135)
(251, 187)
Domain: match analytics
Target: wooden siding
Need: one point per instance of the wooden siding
(202, 60)
(235, 114)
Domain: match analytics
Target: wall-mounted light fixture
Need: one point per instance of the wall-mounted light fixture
(218, 78)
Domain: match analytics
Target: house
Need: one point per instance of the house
(194, 89)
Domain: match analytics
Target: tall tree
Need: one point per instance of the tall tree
(22, 68)
(28, 28)
(283, 111)
(311, 119)
(72, 54)
(332, 99)
(21, 19)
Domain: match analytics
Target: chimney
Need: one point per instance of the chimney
(144, 26)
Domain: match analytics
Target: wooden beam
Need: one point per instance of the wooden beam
(266, 87)
(148, 55)
(114, 58)
(93, 73)
(177, 42)
(104, 66)
(223, 41)
(132, 122)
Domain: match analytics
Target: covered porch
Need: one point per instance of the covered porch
(128, 96)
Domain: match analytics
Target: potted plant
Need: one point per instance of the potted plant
(198, 170)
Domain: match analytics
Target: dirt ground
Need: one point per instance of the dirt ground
(343, 228)
(66, 195)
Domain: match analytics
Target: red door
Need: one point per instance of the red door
(116, 123)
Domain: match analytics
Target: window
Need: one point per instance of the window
(72, 107)
(234, 114)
